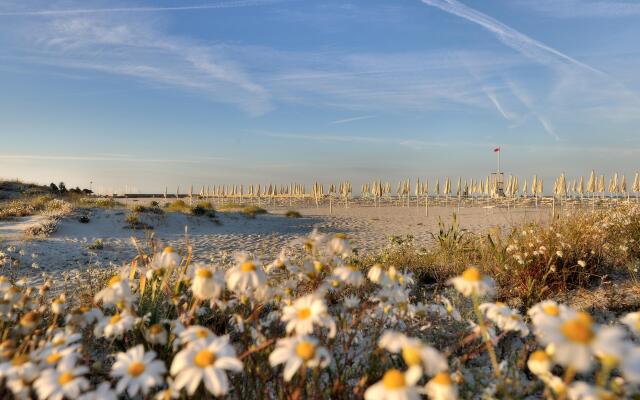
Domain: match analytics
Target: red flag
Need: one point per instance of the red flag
(496, 150)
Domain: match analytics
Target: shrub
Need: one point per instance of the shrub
(292, 214)
(198, 210)
(133, 222)
(178, 206)
(97, 244)
(139, 208)
(251, 211)
(100, 202)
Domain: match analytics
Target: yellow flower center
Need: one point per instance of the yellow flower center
(19, 360)
(247, 266)
(156, 329)
(539, 355)
(442, 378)
(115, 319)
(28, 319)
(204, 358)
(136, 369)
(471, 274)
(411, 356)
(551, 309)
(115, 280)
(168, 250)
(578, 330)
(202, 333)
(393, 379)
(305, 350)
(204, 273)
(65, 378)
(53, 358)
(304, 313)
(58, 342)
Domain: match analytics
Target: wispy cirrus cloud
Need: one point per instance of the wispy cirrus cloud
(520, 42)
(583, 8)
(138, 48)
(109, 158)
(78, 11)
(580, 88)
(352, 119)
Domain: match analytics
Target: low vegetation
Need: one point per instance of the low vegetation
(531, 261)
(321, 322)
(293, 214)
(251, 211)
(134, 222)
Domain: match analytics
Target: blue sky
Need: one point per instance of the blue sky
(154, 93)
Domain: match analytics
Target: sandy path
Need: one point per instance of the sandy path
(14, 228)
(370, 228)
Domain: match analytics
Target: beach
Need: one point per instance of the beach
(105, 240)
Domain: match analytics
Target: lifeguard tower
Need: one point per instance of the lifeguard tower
(497, 178)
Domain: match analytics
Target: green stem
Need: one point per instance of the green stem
(486, 336)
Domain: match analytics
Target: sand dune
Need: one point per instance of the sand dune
(70, 246)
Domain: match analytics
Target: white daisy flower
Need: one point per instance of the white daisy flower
(137, 371)
(632, 320)
(206, 284)
(572, 341)
(394, 385)
(505, 318)
(245, 276)
(471, 282)
(66, 380)
(114, 325)
(117, 291)
(351, 302)
(306, 312)
(83, 316)
(169, 393)
(377, 274)
(631, 365)
(549, 311)
(348, 274)
(156, 334)
(451, 310)
(420, 358)
(58, 306)
(166, 259)
(539, 363)
(339, 245)
(205, 362)
(196, 333)
(296, 351)
(610, 345)
(51, 356)
(281, 264)
(441, 387)
(20, 367)
(102, 392)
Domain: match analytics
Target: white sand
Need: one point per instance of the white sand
(370, 228)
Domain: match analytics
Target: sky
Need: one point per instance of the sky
(141, 95)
